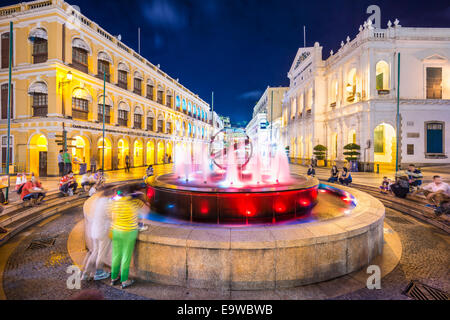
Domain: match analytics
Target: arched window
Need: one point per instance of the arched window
(160, 123)
(293, 107)
(103, 63)
(137, 123)
(108, 107)
(122, 116)
(80, 51)
(351, 85)
(159, 94)
(178, 102)
(150, 87)
(137, 83)
(184, 105)
(189, 107)
(38, 37)
(333, 93)
(169, 99)
(150, 121)
(39, 92)
(122, 76)
(80, 104)
(382, 76)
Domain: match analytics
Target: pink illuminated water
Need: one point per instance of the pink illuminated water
(195, 167)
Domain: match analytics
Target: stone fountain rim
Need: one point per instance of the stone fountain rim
(306, 184)
(367, 214)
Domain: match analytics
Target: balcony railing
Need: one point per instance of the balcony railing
(80, 66)
(40, 111)
(123, 122)
(123, 85)
(137, 125)
(107, 77)
(107, 118)
(137, 91)
(79, 114)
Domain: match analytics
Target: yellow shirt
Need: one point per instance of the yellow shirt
(125, 213)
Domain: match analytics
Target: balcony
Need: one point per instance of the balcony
(137, 125)
(137, 91)
(40, 111)
(107, 77)
(382, 92)
(80, 66)
(123, 122)
(79, 114)
(100, 118)
(123, 85)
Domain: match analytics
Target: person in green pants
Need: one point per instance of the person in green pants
(125, 214)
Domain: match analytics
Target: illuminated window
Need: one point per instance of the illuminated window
(382, 75)
(434, 83)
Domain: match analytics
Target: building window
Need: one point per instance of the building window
(5, 50)
(40, 50)
(123, 118)
(122, 79)
(107, 113)
(150, 123)
(159, 97)
(137, 121)
(40, 105)
(379, 139)
(4, 142)
(382, 77)
(434, 83)
(169, 127)
(169, 101)
(103, 69)
(4, 98)
(137, 86)
(80, 108)
(410, 149)
(435, 137)
(149, 92)
(160, 126)
(80, 59)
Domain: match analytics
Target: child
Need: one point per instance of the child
(384, 188)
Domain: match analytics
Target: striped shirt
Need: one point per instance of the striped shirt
(125, 213)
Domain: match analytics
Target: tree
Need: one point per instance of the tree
(320, 152)
(352, 153)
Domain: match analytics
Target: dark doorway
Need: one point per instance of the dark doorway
(42, 163)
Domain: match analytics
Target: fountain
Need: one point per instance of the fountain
(246, 223)
(232, 192)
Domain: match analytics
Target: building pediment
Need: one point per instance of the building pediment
(303, 55)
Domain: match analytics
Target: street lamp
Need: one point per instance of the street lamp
(68, 79)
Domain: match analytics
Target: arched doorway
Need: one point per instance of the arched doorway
(150, 156)
(122, 151)
(384, 144)
(80, 153)
(334, 146)
(38, 147)
(169, 151)
(107, 163)
(160, 149)
(138, 153)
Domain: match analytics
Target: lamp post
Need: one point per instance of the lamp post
(61, 85)
(9, 109)
(103, 141)
(398, 114)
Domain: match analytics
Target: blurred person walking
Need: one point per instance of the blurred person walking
(98, 229)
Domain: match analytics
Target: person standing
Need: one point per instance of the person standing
(125, 211)
(61, 163)
(99, 227)
(93, 163)
(127, 163)
(67, 162)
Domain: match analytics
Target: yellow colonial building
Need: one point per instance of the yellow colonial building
(60, 58)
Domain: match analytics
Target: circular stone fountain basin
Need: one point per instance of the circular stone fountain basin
(266, 256)
(195, 201)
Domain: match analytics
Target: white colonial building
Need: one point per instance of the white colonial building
(265, 125)
(352, 97)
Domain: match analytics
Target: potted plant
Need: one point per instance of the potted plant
(320, 152)
(352, 155)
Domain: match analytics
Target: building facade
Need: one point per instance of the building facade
(60, 59)
(265, 125)
(351, 97)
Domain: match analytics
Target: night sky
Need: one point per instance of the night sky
(237, 48)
